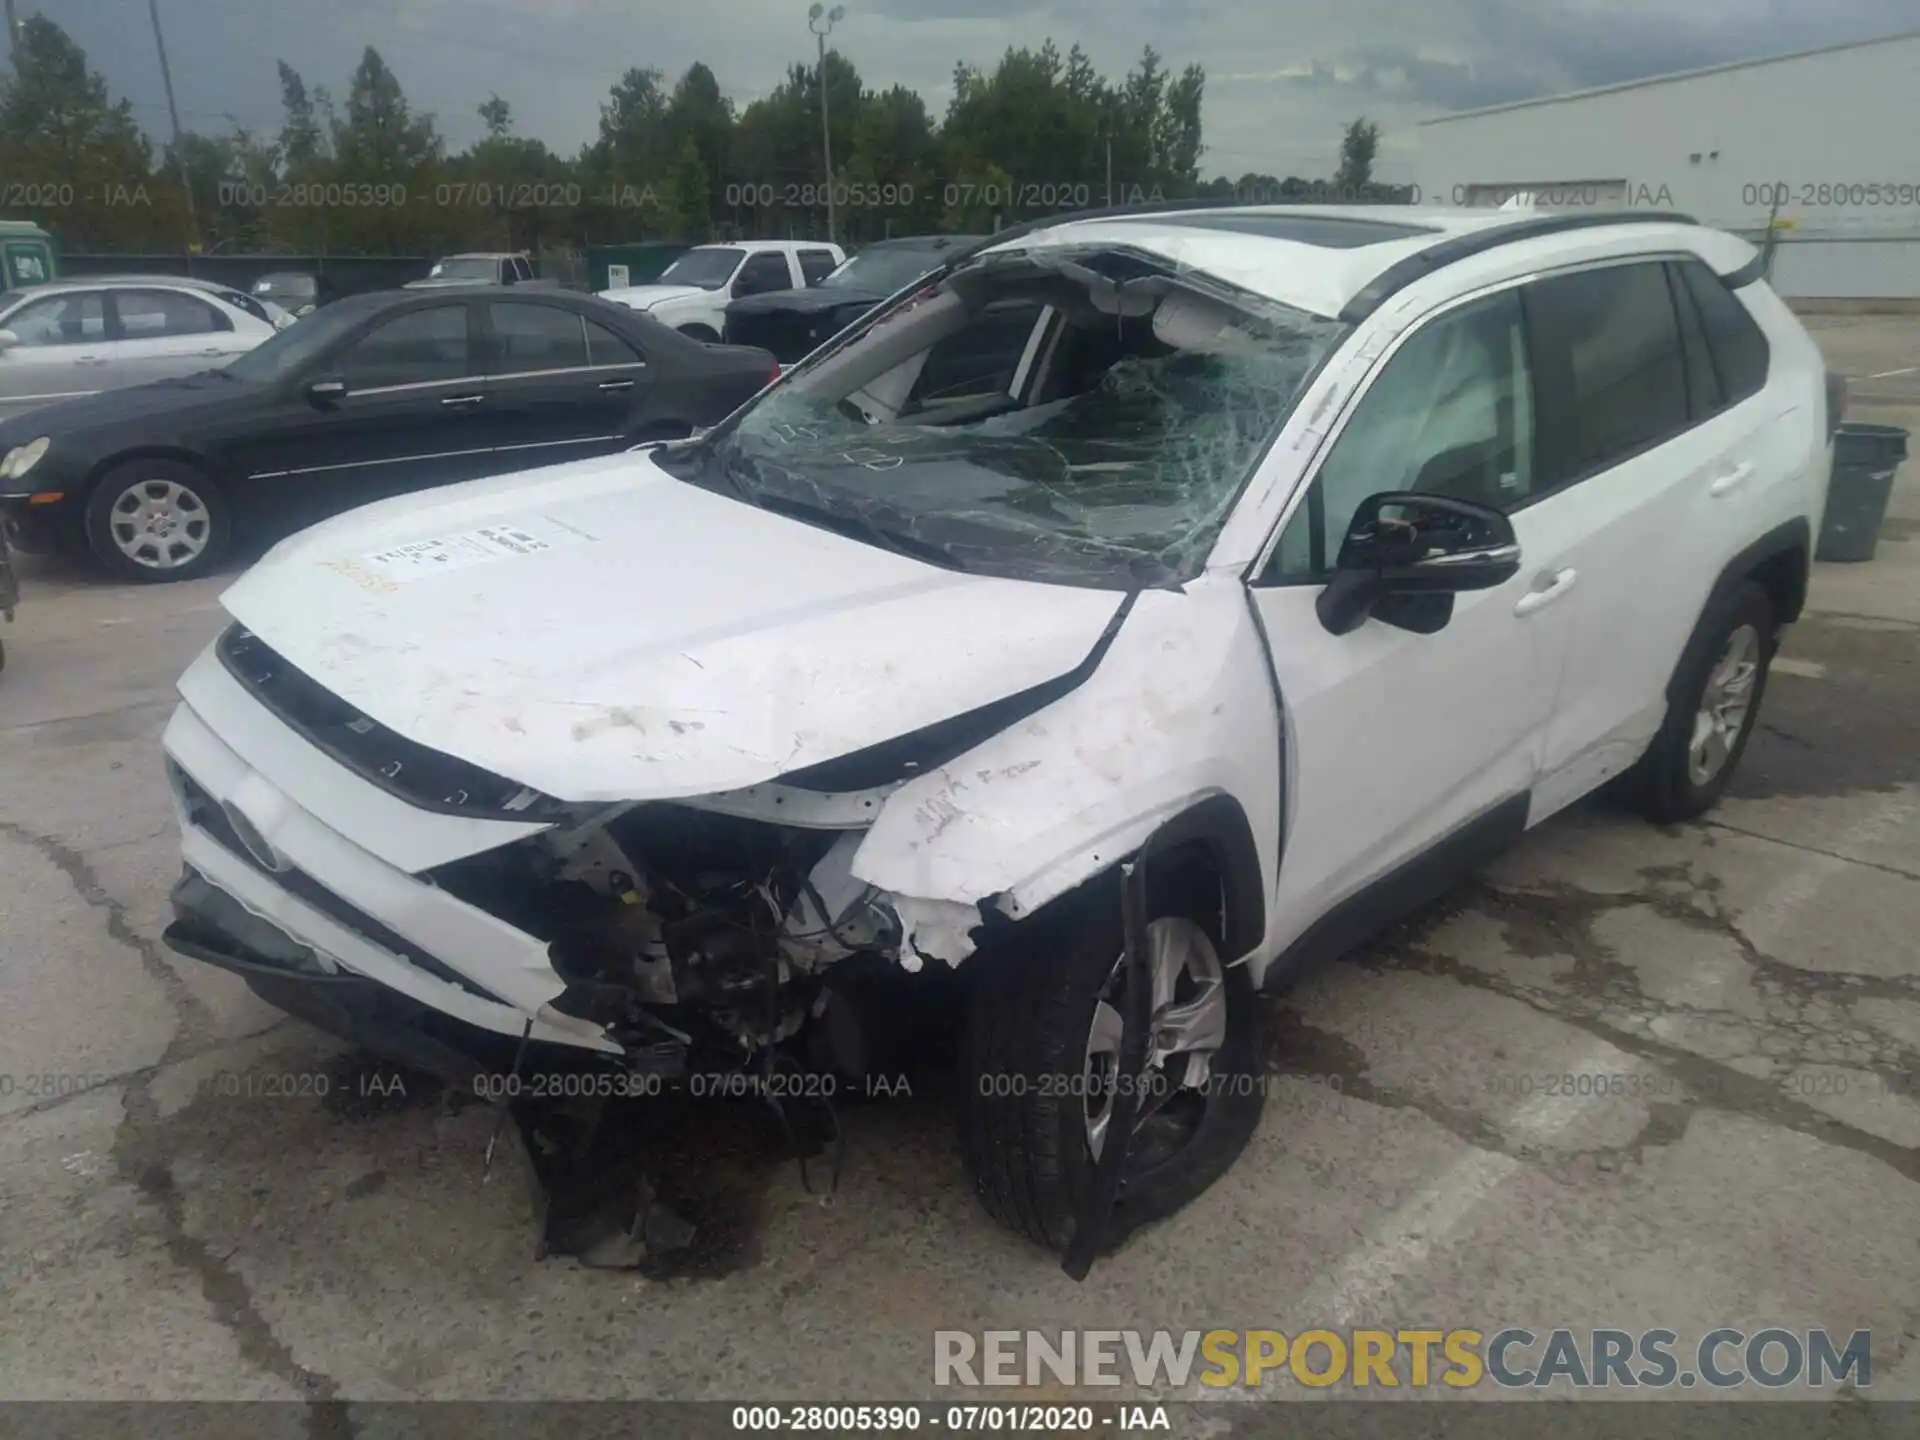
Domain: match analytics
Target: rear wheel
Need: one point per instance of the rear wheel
(1043, 1051)
(1711, 712)
(157, 520)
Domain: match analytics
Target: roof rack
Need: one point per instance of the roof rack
(1107, 212)
(1402, 273)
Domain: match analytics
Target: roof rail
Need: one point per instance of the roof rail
(1402, 273)
(1107, 212)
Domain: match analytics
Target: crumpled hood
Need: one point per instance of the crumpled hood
(602, 631)
(645, 297)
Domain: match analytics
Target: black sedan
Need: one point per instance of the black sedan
(369, 397)
(793, 323)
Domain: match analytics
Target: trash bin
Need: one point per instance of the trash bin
(1865, 459)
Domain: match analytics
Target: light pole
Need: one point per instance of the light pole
(820, 21)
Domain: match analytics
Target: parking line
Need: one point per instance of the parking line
(1368, 1275)
(1805, 669)
(1889, 374)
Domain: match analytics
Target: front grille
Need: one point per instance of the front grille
(420, 776)
(206, 813)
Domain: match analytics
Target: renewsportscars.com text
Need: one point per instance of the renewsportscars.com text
(1509, 1358)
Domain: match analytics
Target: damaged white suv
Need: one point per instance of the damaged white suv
(1144, 605)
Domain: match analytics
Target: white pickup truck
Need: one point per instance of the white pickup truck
(691, 294)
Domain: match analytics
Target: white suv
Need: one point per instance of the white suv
(692, 293)
(1151, 604)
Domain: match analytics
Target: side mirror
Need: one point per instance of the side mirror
(8, 339)
(1406, 555)
(327, 391)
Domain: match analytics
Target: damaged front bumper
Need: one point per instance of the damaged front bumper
(339, 902)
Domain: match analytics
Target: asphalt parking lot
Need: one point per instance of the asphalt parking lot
(177, 1228)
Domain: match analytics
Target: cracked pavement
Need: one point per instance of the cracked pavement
(1627, 1076)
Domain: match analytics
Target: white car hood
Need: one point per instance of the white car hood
(602, 631)
(645, 297)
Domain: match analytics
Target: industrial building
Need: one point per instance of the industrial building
(1815, 154)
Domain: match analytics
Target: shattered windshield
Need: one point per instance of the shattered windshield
(1055, 424)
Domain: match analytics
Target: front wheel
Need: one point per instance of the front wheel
(157, 520)
(1043, 1049)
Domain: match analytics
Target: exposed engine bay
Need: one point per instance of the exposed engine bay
(695, 938)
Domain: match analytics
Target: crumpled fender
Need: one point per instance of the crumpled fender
(1179, 710)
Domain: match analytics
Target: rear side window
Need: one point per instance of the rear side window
(159, 314)
(606, 348)
(536, 337)
(1612, 373)
(1736, 344)
(246, 304)
(816, 265)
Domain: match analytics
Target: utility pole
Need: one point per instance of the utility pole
(816, 14)
(1109, 171)
(173, 114)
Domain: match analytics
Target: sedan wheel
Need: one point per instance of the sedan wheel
(157, 520)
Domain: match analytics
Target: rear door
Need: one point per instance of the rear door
(414, 415)
(163, 334)
(559, 384)
(59, 350)
(1660, 452)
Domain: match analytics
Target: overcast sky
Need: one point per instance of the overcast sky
(1282, 75)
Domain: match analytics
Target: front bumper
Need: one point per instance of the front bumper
(46, 528)
(363, 915)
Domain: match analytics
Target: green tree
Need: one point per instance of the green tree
(497, 115)
(385, 157)
(78, 157)
(1359, 143)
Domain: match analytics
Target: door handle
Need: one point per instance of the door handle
(1559, 582)
(213, 350)
(1733, 479)
(616, 384)
(462, 400)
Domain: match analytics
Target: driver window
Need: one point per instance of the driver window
(1451, 414)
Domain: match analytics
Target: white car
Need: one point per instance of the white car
(69, 338)
(691, 294)
(1286, 564)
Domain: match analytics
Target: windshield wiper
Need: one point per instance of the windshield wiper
(858, 527)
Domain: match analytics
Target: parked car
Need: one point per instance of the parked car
(792, 322)
(298, 292)
(496, 268)
(374, 395)
(75, 337)
(1292, 562)
(693, 292)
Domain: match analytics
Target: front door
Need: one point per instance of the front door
(1405, 747)
(59, 351)
(414, 415)
(560, 386)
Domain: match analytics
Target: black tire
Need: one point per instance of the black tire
(202, 515)
(1663, 785)
(1023, 1118)
(700, 332)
